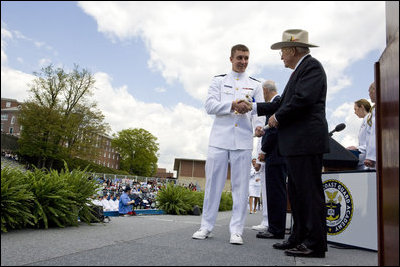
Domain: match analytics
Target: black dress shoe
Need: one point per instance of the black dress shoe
(269, 235)
(303, 251)
(284, 245)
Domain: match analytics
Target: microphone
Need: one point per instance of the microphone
(338, 128)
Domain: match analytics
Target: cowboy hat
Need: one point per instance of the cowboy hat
(293, 37)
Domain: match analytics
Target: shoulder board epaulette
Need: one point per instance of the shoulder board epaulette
(222, 75)
(254, 79)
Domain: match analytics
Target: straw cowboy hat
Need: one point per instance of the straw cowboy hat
(294, 37)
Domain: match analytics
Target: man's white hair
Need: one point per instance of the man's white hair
(269, 85)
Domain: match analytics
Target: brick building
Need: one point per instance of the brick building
(107, 156)
(162, 173)
(9, 112)
(193, 171)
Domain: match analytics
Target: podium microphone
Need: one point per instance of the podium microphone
(338, 128)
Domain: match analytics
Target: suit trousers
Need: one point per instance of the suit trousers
(277, 198)
(216, 175)
(307, 201)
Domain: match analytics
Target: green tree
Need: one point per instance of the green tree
(59, 120)
(138, 149)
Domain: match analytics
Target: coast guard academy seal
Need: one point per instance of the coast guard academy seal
(339, 206)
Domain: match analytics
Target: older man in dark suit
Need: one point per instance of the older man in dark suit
(275, 174)
(302, 139)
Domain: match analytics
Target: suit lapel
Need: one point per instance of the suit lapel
(292, 76)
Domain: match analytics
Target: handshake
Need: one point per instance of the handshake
(241, 106)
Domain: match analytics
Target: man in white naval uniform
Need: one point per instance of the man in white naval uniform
(231, 141)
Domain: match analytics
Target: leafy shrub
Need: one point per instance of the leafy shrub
(16, 200)
(82, 187)
(55, 204)
(175, 199)
(226, 201)
(198, 198)
(43, 198)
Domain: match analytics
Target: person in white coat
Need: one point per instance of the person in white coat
(263, 226)
(370, 153)
(361, 108)
(106, 204)
(115, 203)
(254, 186)
(230, 142)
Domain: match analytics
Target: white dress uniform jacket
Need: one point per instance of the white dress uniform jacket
(232, 131)
(362, 142)
(370, 137)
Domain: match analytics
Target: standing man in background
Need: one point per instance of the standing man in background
(275, 174)
(300, 118)
(263, 226)
(231, 142)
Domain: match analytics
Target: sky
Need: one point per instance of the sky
(154, 61)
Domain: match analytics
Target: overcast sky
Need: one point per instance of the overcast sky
(153, 61)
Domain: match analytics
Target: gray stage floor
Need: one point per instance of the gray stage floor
(159, 240)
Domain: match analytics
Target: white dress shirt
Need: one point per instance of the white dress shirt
(362, 141)
(370, 138)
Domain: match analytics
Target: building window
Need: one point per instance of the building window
(8, 104)
(4, 117)
(11, 130)
(13, 120)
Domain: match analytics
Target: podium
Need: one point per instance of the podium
(339, 158)
(350, 197)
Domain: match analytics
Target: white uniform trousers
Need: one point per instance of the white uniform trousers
(264, 195)
(216, 175)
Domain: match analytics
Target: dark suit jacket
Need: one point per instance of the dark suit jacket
(302, 129)
(269, 142)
